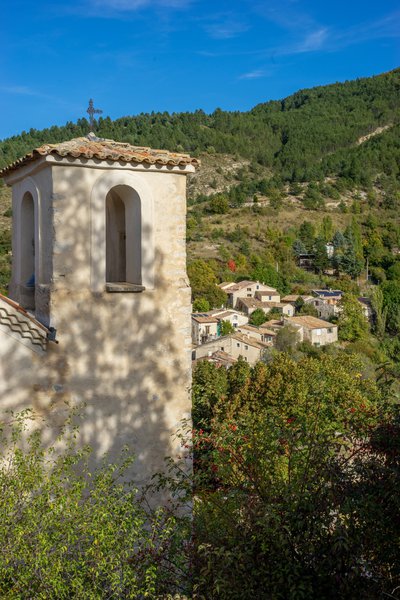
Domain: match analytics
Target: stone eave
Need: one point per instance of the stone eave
(51, 160)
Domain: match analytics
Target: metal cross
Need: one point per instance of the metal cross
(92, 111)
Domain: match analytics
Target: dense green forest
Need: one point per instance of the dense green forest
(311, 134)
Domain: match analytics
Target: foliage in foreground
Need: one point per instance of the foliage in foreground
(294, 495)
(297, 477)
(67, 532)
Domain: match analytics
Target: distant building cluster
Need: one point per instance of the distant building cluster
(251, 341)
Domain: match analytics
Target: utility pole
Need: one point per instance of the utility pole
(92, 111)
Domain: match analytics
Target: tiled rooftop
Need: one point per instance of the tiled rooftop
(21, 323)
(250, 341)
(92, 147)
(311, 322)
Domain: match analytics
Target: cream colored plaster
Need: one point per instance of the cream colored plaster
(126, 356)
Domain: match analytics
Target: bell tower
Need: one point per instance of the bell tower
(99, 260)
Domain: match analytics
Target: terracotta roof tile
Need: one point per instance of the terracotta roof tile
(204, 319)
(250, 341)
(103, 149)
(311, 322)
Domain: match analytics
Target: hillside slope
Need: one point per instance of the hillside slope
(326, 154)
(290, 136)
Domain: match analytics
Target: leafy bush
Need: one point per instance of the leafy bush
(292, 465)
(257, 317)
(69, 532)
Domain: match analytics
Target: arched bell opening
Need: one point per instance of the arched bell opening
(27, 251)
(123, 236)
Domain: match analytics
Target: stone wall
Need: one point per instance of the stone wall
(126, 356)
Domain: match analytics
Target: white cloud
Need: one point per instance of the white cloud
(313, 41)
(257, 74)
(124, 6)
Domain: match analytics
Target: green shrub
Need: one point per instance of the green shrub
(291, 471)
(69, 532)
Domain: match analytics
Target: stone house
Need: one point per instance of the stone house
(235, 345)
(218, 358)
(292, 298)
(234, 317)
(270, 295)
(316, 331)
(249, 305)
(204, 328)
(262, 334)
(247, 289)
(99, 266)
(327, 302)
(207, 326)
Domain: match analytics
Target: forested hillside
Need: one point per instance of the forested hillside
(311, 134)
(283, 177)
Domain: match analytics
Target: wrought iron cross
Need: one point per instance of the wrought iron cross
(92, 111)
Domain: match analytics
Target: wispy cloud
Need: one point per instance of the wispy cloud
(26, 91)
(284, 14)
(226, 29)
(386, 27)
(126, 6)
(312, 42)
(21, 90)
(257, 74)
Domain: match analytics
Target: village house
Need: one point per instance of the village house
(247, 289)
(204, 328)
(249, 305)
(293, 298)
(313, 330)
(235, 345)
(261, 333)
(219, 359)
(207, 326)
(327, 302)
(268, 296)
(234, 317)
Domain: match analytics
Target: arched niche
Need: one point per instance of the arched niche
(121, 220)
(27, 242)
(123, 236)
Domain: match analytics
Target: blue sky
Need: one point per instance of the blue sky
(135, 56)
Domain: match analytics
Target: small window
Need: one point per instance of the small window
(249, 295)
(258, 287)
(269, 297)
(207, 329)
(238, 345)
(249, 289)
(246, 347)
(222, 348)
(318, 332)
(330, 330)
(245, 358)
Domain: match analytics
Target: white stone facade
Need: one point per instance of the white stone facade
(126, 355)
